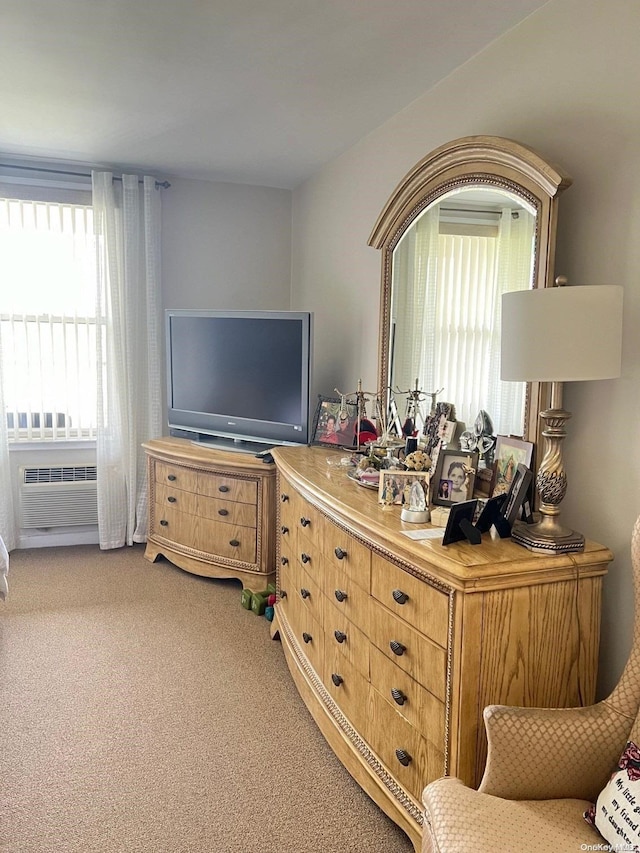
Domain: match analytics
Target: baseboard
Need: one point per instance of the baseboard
(50, 538)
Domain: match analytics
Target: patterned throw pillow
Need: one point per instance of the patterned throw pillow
(616, 814)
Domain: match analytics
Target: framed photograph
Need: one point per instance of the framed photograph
(509, 453)
(454, 476)
(460, 524)
(334, 424)
(518, 491)
(394, 488)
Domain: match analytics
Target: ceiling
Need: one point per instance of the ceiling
(261, 92)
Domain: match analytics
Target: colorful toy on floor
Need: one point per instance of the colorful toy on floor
(261, 603)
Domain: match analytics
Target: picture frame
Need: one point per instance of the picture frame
(394, 486)
(460, 524)
(517, 494)
(491, 515)
(330, 429)
(451, 465)
(509, 453)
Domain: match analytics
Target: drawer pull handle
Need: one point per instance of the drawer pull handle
(164, 522)
(398, 696)
(341, 595)
(172, 478)
(283, 593)
(223, 488)
(223, 512)
(340, 553)
(340, 636)
(397, 648)
(337, 679)
(284, 498)
(305, 558)
(399, 596)
(284, 561)
(307, 637)
(305, 522)
(284, 530)
(234, 543)
(403, 757)
(171, 499)
(305, 593)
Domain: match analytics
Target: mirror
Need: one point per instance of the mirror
(475, 218)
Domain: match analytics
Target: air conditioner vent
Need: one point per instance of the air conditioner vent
(58, 496)
(60, 474)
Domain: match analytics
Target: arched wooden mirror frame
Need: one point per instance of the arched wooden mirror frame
(470, 161)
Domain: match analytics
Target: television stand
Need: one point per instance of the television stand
(212, 512)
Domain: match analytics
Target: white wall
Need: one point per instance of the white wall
(566, 83)
(226, 246)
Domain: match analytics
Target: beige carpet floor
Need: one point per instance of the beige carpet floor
(142, 709)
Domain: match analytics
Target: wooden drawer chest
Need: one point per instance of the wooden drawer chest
(396, 646)
(211, 512)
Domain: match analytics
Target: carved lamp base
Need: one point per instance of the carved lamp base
(539, 539)
(548, 536)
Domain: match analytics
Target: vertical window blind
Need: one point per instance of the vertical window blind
(449, 309)
(48, 319)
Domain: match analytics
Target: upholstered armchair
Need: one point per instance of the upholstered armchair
(544, 768)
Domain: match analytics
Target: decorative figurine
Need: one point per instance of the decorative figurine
(415, 510)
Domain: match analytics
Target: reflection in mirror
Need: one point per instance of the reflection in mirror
(449, 271)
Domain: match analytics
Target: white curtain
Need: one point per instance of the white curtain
(415, 264)
(127, 221)
(8, 524)
(450, 308)
(515, 252)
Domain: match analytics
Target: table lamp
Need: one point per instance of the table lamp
(558, 334)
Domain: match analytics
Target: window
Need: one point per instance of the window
(48, 319)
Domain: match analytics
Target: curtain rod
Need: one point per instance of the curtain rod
(164, 185)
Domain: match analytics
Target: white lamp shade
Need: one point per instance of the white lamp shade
(562, 334)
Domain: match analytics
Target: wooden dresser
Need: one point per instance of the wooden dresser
(211, 512)
(396, 646)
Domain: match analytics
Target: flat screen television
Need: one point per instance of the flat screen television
(239, 379)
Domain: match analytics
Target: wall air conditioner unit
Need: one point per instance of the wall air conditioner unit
(57, 496)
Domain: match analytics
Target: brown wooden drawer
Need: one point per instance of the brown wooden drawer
(226, 540)
(349, 557)
(411, 599)
(228, 487)
(230, 512)
(347, 596)
(343, 635)
(347, 686)
(306, 630)
(286, 585)
(309, 522)
(291, 506)
(420, 657)
(202, 534)
(287, 530)
(307, 592)
(414, 702)
(171, 524)
(395, 740)
(176, 476)
(309, 555)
